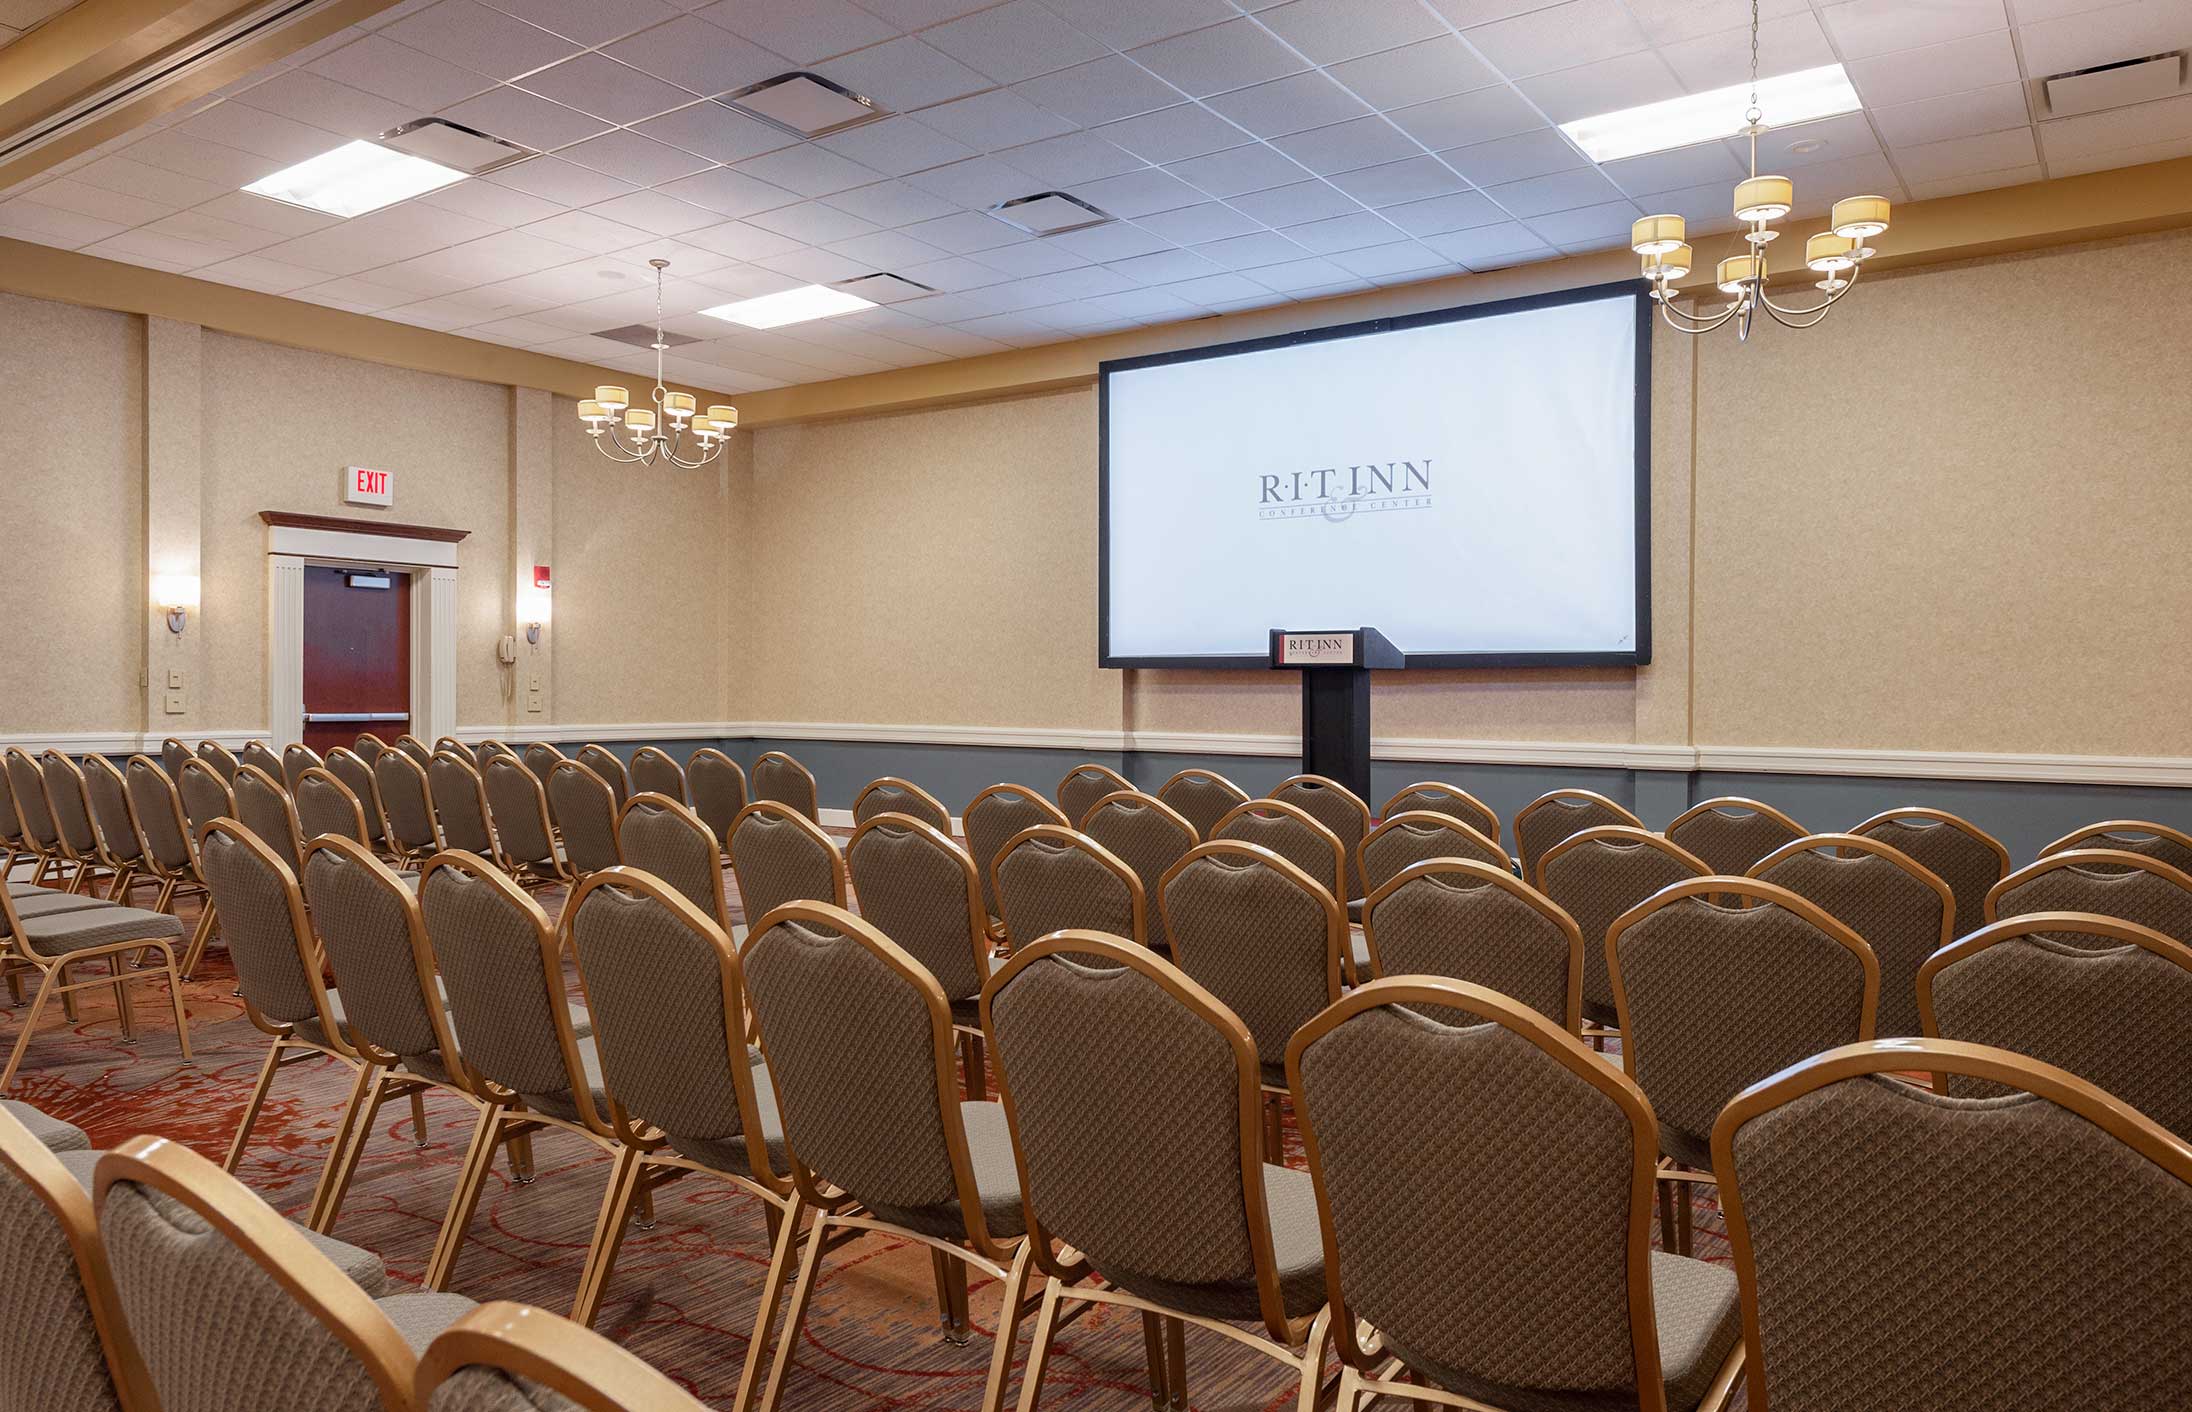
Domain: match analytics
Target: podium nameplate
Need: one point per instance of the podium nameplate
(1316, 649)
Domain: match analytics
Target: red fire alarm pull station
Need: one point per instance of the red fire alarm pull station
(540, 576)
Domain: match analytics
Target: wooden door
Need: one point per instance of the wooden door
(357, 655)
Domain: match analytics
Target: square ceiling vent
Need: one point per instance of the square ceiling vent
(885, 288)
(454, 145)
(1050, 213)
(806, 104)
(2116, 85)
(643, 336)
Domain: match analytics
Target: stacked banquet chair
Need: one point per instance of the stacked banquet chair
(1732, 834)
(1049, 878)
(655, 772)
(718, 788)
(1202, 797)
(1147, 835)
(1596, 875)
(780, 778)
(1083, 785)
(2114, 882)
(585, 812)
(1474, 921)
(1559, 814)
(779, 855)
(993, 819)
(922, 890)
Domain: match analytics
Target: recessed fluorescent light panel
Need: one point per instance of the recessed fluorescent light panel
(792, 306)
(1050, 213)
(805, 104)
(355, 178)
(1679, 122)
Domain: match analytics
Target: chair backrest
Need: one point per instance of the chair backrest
(1049, 879)
(1731, 834)
(1714, 997)
(655, 772)
(228, 1303)
(457, 747)
(1958, 852)
(108, 794)
(268, 933)
(406, 803)
(658, 835)
(357, 776)
(1963, 1234)
(206, 796)
(369, 926)
(1439, 797)
(1258, 933)
(891, 795)
(217, 755)
(2171, 846)
(1291, 832)
(718, 786)
(1149, 836)
(173, 752)
(1599, 873)
(11, 826)
(668, 1001)
(326, 805)
(502, 963)
(1477, 922)
(1202, 797)
(604, 762)
(64, 784)
(780, 855)
(921, 890)
(460, 804)
(263, 807)
(1903, 911)
(778, 777)
(368, 747)
(28, 784)
(296, 759)
(1080, 788)
(2111, 1007)
(1335, 806)
(540, 758)
(490, 747)
(256, 754)
(519, 809)
(1559, 814)
(1417, 836)
(414, 747)
(1392, 1101)
(994, 818)
(488, 1360)
(158, 809)
(2131, 886)
(861, 1056)
(584, 808)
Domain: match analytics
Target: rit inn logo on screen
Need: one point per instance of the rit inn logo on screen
(1336, 493)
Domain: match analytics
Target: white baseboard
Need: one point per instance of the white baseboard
(2162, 771)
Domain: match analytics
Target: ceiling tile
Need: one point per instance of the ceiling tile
(629, 156)
(1329, 31)
(716, 132)
(808, 170)
(1414, 179)
(2146, 152)
(989, 121)
(697, 56)
(503, 255)
(225, 167)
(1441, 214)
(1961, 156)
(1526, 154)
(904, 74)
(2106, 35)
(1218, 289)
(1296, 204)
(820, 266)
(589, 232)
(1698, 165)
(1785, 45)
(1243, 169)
(1075, 156)
(1126, 23)
(1488, 247)
(977, 182)
(1981, 181)
(152, 183)
(1561, 191)
(964, 232)
(1028, 257)
(121, 209)
(1117, 241)
(1290, 104)
(246, 209)
(806, 32)
(554, 179)
(261, 134)
(594, 84)
(1401, 257)
(525, 118)
(1587, 225)
(419, 81)
(1362, 142)
(1670, 21)
(1299, 274)
(957, 272)
(1138, 193)
(1158, 267)
(2117, 130)
(48, 226)
(475, 37)
(892, 203)
(741, 240)
(815, 223)
(204, 229)
(1952, 115)
(1415, 73)
(1809, 144)
(1248, 252)
(314, 98)
(589, 22)
(1557, 37)
(1101, 92)
(1342, 233)
(728, 192)
(258, 272)
(896, 146)
(886, 250)
(1955, 67)
(1225, 56)
(1174, 134)
(1626, 81)
(1014, 41)
(1863, 28)
(655, 212)
(1468, 118)
(1087, 281)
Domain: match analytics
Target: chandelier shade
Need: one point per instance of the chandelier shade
(657, 432)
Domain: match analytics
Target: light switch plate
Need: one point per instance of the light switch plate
(175, 676)
(174, 703)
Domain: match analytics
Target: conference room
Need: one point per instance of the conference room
(838, 705)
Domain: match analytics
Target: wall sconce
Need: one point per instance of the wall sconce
(535, 609)
(175, 595)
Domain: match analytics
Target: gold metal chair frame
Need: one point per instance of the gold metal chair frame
(2114, 831)
(1110, 776)
(1350, 858)
(2103, 862)
(1485, 849)
(807, 808)
(1484, 875)
(358, 833)
(840, 880)
(660, 759)
(125, 869)
(1240, 796)
(1266, 808)
(1560, 799)
(719, 760)
(173, 882)
(1058, 836)
(1455, 795)
(89, 857)
(1735, 803)
(898, 785)
(550, 1350)
(48, 857)
(398, 849)
(531, 874)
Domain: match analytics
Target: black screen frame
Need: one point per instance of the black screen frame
(1635, 290)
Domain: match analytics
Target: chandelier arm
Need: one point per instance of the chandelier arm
(621, 452)
(1798, 318)
(1690, 323)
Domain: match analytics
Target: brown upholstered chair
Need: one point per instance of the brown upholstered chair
(2111, 1006)
(27, 783)
(469, 754)
(357, 777)
(527, 1056)
(206, 797)
(2132, 886)
(368, 747)
(780, 855)
(1049, 879)
(1417, 836)
(780, 778)
(1958, 852)
(993, 819)
(296, 759)
(921, 890)
(1477, 922)
(1559, 814)
(407, 806)
(230, 1305)
(173, 752)
(1295, 835)
(121, 851)
(718, 786)
(412, 746)
(505, 1357)
(1903, 912)
(167, 848)
(1169, 1198)
(48, 1132)
(525, 840)
(393, 1014)
(1335, 806)
(858, 1036)
(53, 944)
(1547, 1221)
(218, 756)
(278, 964)
(2159, 841)
(1731, 834)
(1080, 788)
(1720, 982)
(1266, 939)
(256, 754)
(1439, 797)
(490, 747)
(75, 834)
(325, 804)
(654, 771)
(460, 804)
(585, 810)
(891, 795)
(1597, 874)
(658, 835)
(12, 845)
(1902, 1248)
(604, 762)
(686, 1092)
(263, 807)
(540, 757)
(1147, 835)
(1202, 797)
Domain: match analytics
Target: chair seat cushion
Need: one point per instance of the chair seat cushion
(1359, 948)
(55, 1134)
(45, 902)
(17, 889)
(98, 926)
(1297, 1247)
(996, 1183)
(420, 1318)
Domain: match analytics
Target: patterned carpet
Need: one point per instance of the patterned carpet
(683, 1294)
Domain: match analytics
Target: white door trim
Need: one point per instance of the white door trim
(432, 565)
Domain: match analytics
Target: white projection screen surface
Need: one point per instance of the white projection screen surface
(1473, 483)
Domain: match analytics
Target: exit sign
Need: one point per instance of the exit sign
(368, 487)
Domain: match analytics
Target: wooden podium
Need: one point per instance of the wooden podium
(1335, 667)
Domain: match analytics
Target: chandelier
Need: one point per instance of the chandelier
(1837, 253)
(647, 435)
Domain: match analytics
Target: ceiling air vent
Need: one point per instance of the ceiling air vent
(643, 336)
(2115, 85)
(805, 104)
(453, 145)
(885, 288)
(1050, 213)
